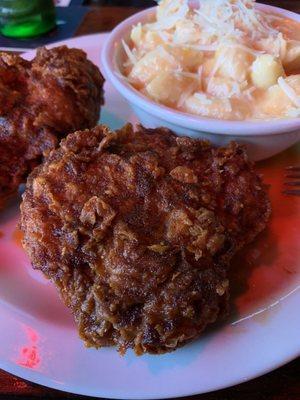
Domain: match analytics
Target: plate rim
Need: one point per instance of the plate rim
(42, 379)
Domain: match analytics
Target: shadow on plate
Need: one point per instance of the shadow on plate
(12, 208)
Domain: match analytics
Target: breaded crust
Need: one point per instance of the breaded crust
(136, 230)
(41, 101)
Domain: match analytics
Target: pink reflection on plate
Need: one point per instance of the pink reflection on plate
(29, 355)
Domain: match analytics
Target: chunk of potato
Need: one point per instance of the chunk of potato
(189, 59)
(136, 34)
(220, 108)
(209, 106)
(265, 71)
(167, 88)
(151, 40)
(235, 62)
(186, 32)
(271, 45)
(158, 60)
(146, 41)
(273, 102)
(223, 87)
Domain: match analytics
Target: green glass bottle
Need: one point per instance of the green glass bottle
(26, 18)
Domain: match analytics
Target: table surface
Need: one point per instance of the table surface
(282, 384)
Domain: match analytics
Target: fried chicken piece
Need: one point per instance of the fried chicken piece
(41, 101)
(136, 230)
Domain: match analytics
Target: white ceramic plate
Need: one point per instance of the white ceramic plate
(39, 340)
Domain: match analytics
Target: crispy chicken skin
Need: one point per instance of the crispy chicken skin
(136, 230)
(41, 101)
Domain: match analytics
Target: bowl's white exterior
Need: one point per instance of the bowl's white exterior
(263, 139)
(259, 147)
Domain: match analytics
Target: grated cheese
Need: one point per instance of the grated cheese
(289, 91)
(175, 10)
(129, 53)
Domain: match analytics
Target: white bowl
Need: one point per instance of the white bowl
(262, 138)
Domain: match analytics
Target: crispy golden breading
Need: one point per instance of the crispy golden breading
(58, 92)
(136, 230)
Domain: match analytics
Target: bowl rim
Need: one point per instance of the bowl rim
(173, 116)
